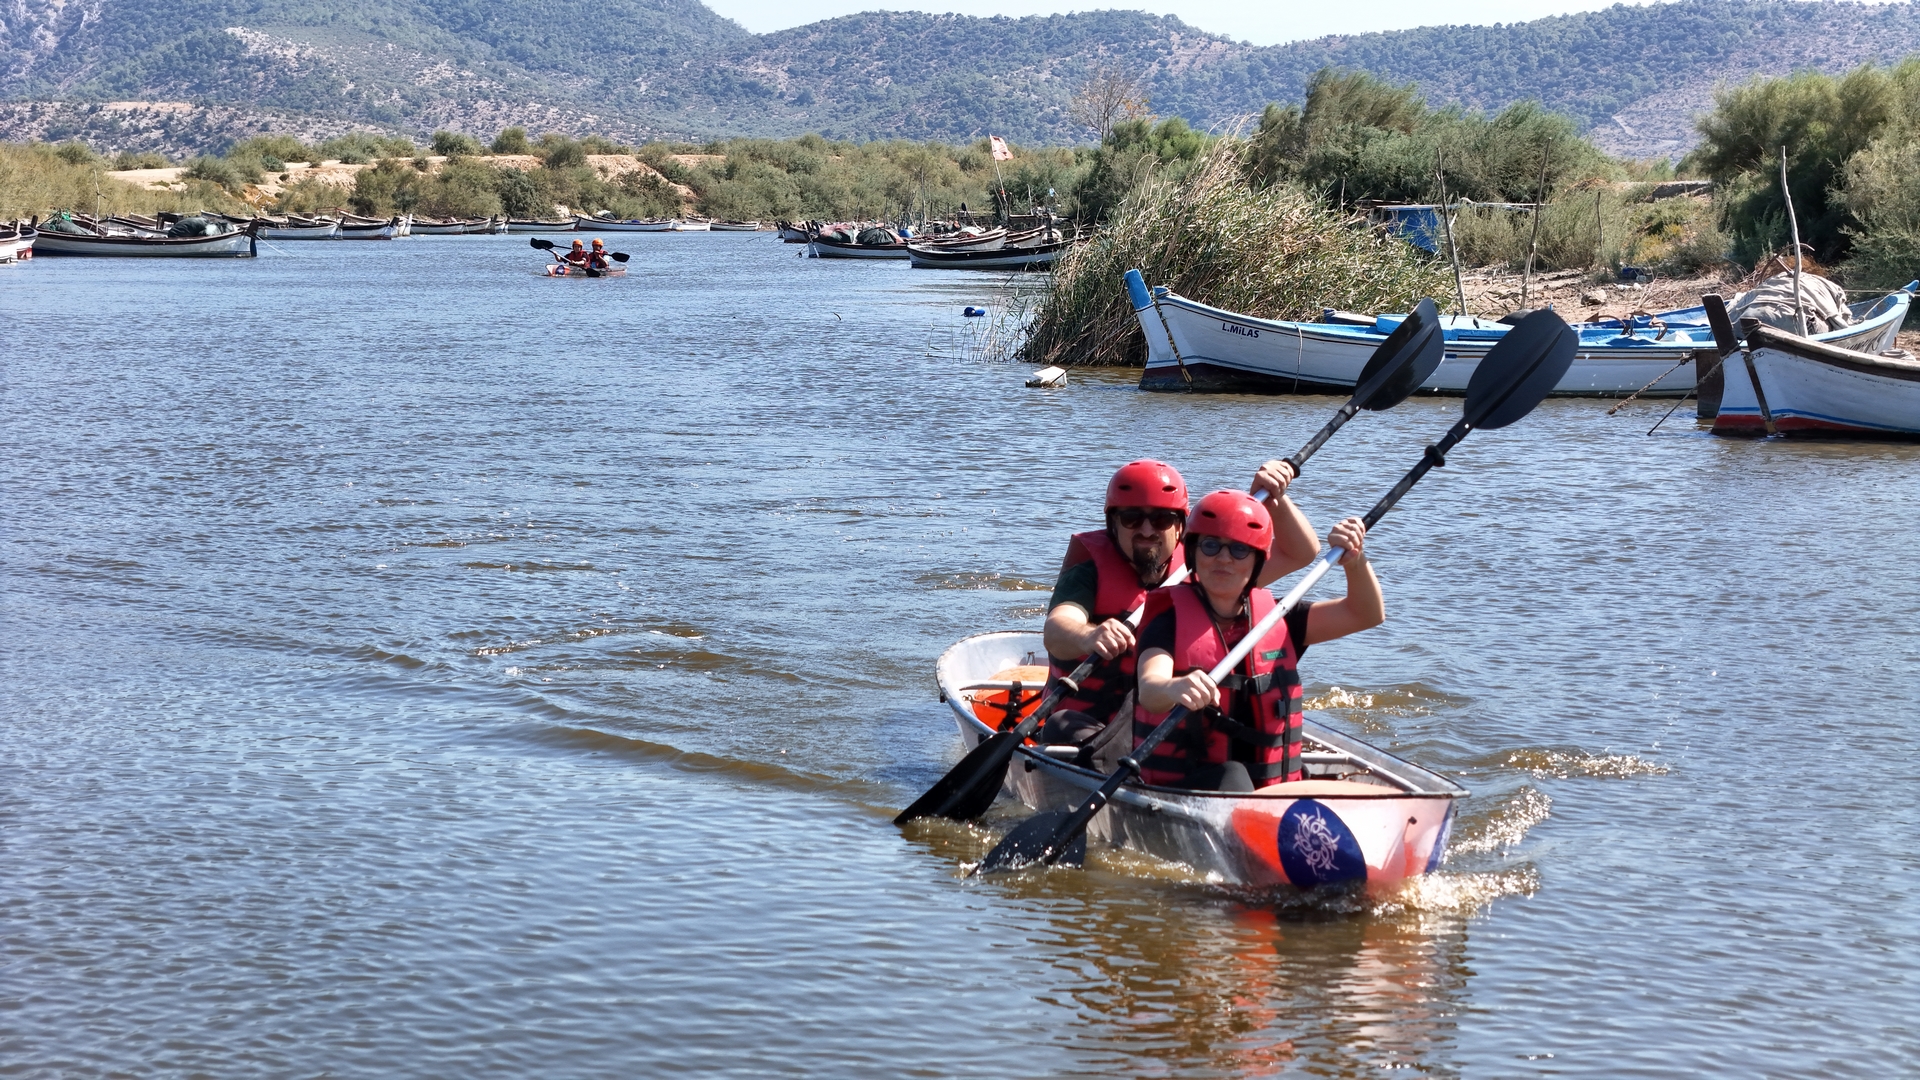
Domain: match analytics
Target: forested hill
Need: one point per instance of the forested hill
(640, 68)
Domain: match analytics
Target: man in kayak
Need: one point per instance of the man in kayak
(578, 256)
(597, 258)
(1107, 573)
(1244, 732)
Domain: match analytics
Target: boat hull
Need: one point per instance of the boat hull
(1036, 258)
(230, 246)
(692, 226)
(736, 226)
(18, 247)
(587, 224)
(558, 271)
(1304, 834)
(1816, 389)
(1226, 352)
(329, 231)
(827, 249)
(531, 226)
(389, 231)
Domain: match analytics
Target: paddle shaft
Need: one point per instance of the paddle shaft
(1024, 730)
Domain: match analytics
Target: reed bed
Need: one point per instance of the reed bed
(38, 179)
(1273, 252)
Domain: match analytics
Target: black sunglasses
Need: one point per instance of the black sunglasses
(1212, 545)
(1162, 519)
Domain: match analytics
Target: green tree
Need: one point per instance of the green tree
(512, 141)
(453, 144)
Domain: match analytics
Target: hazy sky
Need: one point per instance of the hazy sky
(1261, 23)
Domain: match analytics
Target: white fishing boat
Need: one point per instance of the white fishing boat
(299, 229)
(355, 228)
(791, 233)
(1815, 388)
(1225, 351)
(582, 223)
(692, 226)
(1362, 815)
(736, 226)
(16, 244)
(450, 226)
(536, 225)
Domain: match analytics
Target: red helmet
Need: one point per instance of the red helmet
(1231, 516)
(596, 242)
(1151, 484)
(579, 244)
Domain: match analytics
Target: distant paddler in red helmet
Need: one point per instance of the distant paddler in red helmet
(1107, 573)
(1244, 733)
(597, 258)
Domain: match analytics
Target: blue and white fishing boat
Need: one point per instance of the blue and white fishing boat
(1196, 346)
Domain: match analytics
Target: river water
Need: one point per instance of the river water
(416, 667)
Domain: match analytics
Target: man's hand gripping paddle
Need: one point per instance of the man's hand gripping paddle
(549, 246)
(1401, 363)
(1515, 376)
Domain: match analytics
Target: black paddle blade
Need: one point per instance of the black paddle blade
(537, 242)
(620, 256)
(1023, 846)
(1409, 356)
(970, 786)
(1520, 370)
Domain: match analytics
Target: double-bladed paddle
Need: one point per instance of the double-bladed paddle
(1402, 362)
(1513, 378)
(548, 245)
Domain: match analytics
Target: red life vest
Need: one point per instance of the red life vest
(1269, 675)
(1119, 592)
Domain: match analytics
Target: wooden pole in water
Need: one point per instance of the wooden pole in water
(1446, 222)
(1539, 202)
(1793, 225)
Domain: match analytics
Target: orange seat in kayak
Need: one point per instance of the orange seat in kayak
(994, 704)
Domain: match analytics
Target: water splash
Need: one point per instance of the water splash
(1508, 825)
(981, 580)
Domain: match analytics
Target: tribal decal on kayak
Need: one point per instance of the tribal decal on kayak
(1317, 848)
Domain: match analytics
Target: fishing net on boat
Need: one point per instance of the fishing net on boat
(194, 226)
(878, 237)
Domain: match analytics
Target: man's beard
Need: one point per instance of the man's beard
(1148, 565)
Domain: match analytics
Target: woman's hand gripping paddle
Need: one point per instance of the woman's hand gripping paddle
(1515, 376)
(1402, 362)
(549, 246)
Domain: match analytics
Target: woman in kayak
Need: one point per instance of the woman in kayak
(1244, 732)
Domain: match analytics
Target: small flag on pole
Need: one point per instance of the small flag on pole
(1000, 151)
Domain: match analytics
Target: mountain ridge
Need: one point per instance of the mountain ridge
(636, 69)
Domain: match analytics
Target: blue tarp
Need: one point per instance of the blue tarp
(1419, 225)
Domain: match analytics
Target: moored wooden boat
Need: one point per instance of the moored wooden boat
(537, 225)
(16, 243)
(1817, 388)
(972, 238)
(791, 233)
(450, 226)
(1362, 815)
(356, 228)
(1225, 351)
(736, 226)
(69, 236)
(692, 225)
(293, 228)
(583, 223)
(1035, 257)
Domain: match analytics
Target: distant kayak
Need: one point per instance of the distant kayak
(556, 270)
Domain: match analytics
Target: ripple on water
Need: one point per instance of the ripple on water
(1562, 764)
(973, 579)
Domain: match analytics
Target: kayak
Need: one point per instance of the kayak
(1362, 815)
(555, 270)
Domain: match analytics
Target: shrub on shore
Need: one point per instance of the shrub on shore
(1274, 252)
(38, 178)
